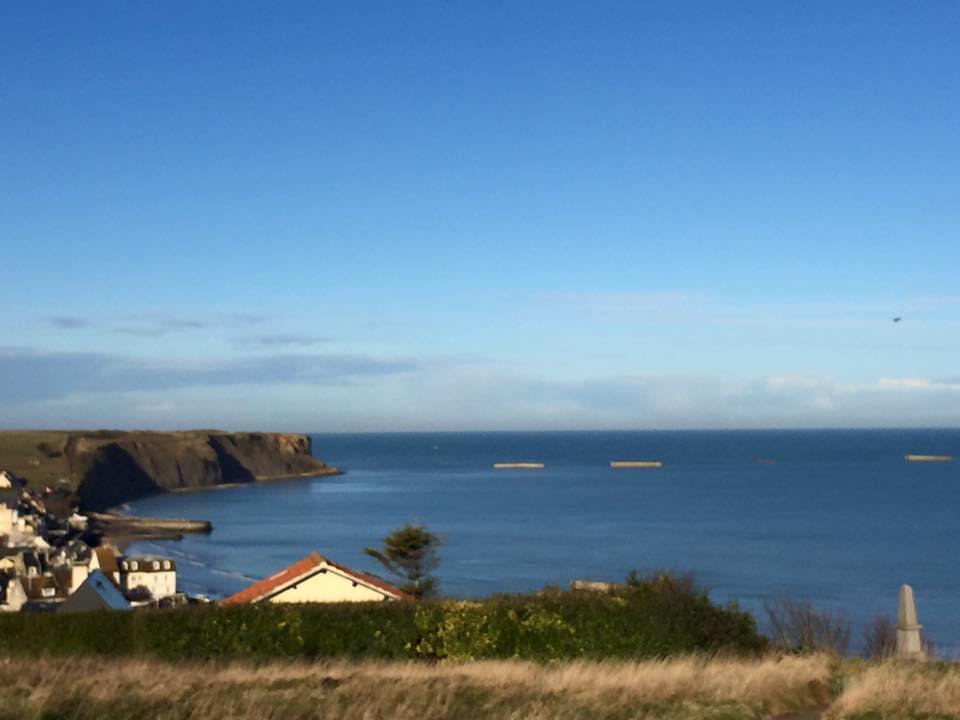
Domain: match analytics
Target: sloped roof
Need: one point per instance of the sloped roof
(97, 592)
(371, 580)
(10, 480)
(300, 571)
(78, 551)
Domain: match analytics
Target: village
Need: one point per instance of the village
(51, 564)
(48, 564)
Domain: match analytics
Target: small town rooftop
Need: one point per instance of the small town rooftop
(305, 568)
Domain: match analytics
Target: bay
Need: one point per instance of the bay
(836, 517)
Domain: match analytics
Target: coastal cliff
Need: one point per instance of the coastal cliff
(143, 464)
(101, 469)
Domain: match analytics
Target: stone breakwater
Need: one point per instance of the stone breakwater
(140, 527)
(126, 466)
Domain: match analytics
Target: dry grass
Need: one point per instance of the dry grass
(690, 688)
(77, 689)
(900, 690)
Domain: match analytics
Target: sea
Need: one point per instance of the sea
(837, 518)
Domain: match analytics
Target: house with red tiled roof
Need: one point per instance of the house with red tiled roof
(317, 579)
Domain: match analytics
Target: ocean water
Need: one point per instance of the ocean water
(834, 517)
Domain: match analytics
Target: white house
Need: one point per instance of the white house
(157, 575)
(78, 559)
(8, 520)
(317, 579)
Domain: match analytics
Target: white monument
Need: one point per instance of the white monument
(908, 629)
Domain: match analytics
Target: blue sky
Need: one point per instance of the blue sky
(386, 216)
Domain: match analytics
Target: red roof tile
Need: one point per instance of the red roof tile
(371, 580)
(301, 570)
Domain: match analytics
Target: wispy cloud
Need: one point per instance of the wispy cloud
(67, 322)
(158, 325)
(273, 340)
(923, 384)
(478, 398)
(350, 392)
(27, 375)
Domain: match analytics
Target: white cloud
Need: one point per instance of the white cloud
(28, 375)
(913, 384)
(456, 395)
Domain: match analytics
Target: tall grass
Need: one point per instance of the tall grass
(690, 687)
(900, 690)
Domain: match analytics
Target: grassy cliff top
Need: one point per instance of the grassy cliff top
(39, 456)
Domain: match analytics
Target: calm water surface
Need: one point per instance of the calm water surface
(838, 517)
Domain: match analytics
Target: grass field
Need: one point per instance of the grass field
(81, 689)
(686, 688)
(36, 455)
(899, 691)
(41, 458)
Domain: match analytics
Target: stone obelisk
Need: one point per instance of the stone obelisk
(908, 629)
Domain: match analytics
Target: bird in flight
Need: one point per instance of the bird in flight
(897, 319)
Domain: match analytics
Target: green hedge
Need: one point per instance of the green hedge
(647, 618)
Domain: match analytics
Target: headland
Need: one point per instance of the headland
(100, 469)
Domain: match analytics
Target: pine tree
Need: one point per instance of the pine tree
(410, 553)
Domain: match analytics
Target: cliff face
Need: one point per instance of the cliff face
(125, 466)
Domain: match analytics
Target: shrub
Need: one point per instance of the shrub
(798, 626)
(657, 616)
(880, 638)
(644, 618)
